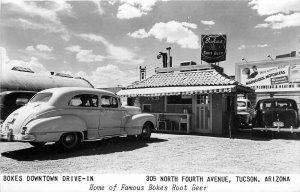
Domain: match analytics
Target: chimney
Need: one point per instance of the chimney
(169, 57)
(164, 59)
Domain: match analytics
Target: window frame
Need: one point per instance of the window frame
(150, 107)
(111, 106)
(90, 96)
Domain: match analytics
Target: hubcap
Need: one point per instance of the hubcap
(70, 139)
(145, 131)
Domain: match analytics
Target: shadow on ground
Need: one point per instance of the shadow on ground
(264, 135)
(256, 136)
(105, 146)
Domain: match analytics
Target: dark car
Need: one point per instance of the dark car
(276, 114)
(12, 100)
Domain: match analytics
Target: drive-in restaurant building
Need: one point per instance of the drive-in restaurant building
(188, 99)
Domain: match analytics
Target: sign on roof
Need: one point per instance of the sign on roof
(213, 48)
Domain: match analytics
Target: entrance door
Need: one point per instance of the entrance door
(202, 110)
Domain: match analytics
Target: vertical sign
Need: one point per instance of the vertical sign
(213, 48)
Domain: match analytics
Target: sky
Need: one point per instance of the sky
(106, 41)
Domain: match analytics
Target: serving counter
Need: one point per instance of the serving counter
(173, 122)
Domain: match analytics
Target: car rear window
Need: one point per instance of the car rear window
(277, 104)
(41, 97)
(284, 104)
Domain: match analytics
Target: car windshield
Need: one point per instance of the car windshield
(41, 97)
(241, 104)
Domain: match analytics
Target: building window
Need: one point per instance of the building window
(179, 99)
(146, 107)
(202, 99)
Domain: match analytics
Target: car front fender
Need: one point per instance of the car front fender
(55, 126)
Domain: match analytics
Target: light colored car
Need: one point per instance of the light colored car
(244, 112)
(70, 115)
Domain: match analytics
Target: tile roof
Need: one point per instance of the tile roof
(191, 78)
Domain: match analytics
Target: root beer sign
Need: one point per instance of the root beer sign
(213, 48)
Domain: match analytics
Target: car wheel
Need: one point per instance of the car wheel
(37, 144)
(69, 141)
(146, 131)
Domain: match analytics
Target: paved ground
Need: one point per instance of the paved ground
(164, 153)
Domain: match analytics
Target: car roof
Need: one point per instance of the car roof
(276, 99)
(61, 95)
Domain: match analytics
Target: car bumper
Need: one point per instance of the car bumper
(278, 129)
(9, 136)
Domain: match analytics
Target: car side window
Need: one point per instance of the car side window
(109, 102)
(84, 100)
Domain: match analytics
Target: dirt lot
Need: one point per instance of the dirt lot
(164, 153)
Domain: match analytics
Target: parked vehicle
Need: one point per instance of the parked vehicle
(12, 100)
(244, 113)
(276, 114)
(70, 115)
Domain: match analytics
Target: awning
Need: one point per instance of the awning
(189, 90)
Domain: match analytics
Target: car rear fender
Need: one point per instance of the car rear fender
(57, 124)
(135, 123)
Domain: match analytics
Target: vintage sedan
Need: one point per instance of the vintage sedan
(276, 114)
(70, 115)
